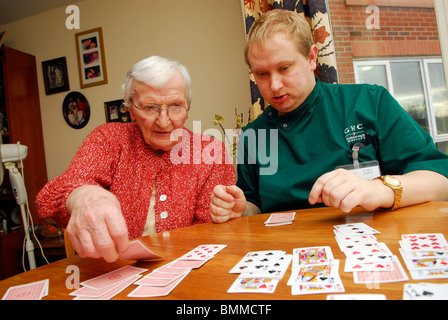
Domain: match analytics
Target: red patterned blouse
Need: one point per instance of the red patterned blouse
(115, 156)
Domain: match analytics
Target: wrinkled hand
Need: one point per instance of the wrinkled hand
(227, 202)
(96, 227)
(346, 190)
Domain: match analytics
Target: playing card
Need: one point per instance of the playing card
(30, 291)
(278, 219)
(253, 285)
(372, 277)
(367, 266)
(157, 279)
(416, 254)
(322, 274)
(426, 263)
(344, 241)
(424, 242)
(203, 252)
(314, 288)
(113, 277)
(155, 291)
(425, 291)
(425, 274)
(351, 296)
(355, 229)
(311, 255)
(108, 293)
(138, 251)
(275, 271)
(371, 258)
(377, 249)
(258, 261)
(184, 264)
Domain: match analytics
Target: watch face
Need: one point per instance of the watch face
(392, 181)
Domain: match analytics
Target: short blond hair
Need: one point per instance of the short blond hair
(281, 21)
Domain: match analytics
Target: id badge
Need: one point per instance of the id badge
(368, 170)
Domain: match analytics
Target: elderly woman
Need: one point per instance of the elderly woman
(123, 182)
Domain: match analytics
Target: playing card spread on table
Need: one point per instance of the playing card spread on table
(30, 291)
(370, 261)
(260, 271)
(253, 285)
(138, 251)
(163, 280)
(425, 255)
(280, 219)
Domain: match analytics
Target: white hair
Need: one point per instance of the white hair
(156, 72)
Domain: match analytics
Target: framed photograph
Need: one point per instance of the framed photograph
(55, 75)
(91, 58)
(116, 111)
(76, 110)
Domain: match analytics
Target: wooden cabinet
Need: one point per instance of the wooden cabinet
(20, 108)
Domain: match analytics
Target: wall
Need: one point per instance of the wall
(205, 35)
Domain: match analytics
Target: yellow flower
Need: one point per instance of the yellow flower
(218, 119)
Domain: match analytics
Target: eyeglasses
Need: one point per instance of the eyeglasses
(174, 111)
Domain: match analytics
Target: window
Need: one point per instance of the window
(418, 85)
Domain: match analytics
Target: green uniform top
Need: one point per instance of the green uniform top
(320, 134)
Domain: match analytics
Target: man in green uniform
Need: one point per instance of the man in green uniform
(314, 127)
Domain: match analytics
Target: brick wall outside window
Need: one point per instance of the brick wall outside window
(404, 31)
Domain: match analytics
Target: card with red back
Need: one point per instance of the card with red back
(375, 277)
(113, 277)
(108, 293)
(138, 250)
(153, 291)
(31, 291)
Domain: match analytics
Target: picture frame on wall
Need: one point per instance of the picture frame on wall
(116, 111)
(91, 58)
(76, 110)
(55, 75)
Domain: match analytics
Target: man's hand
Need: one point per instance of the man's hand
(345, 190)
(227, 202)
(96, 227)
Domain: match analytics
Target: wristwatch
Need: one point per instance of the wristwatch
(396, 187)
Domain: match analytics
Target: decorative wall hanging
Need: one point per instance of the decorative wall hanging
(91, 58)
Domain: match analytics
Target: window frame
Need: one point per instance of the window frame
(423, 63)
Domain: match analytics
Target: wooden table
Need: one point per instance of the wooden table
(312, 227)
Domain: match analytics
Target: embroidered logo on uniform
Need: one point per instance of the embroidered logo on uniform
(354, 133)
